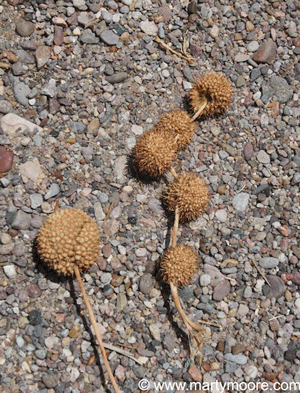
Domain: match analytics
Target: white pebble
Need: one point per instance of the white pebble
(10, 271)
(205, 280)
(297, 304)
(5, 238)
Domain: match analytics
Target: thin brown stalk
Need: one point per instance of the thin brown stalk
(173, 172)
(189, 59)
(290, 67)
(94, 324)
(200, 110)
(175, 227)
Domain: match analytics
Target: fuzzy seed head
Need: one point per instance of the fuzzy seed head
(68, 237)
(190, 194)
(178, 123)
(154, 152)
(215, 89)
(179, 264)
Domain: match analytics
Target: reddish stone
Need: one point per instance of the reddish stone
(266, 53)
(248, 151)
(195, 373)
(33, 290)
(221, 290)
(6, 159)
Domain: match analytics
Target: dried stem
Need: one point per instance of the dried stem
(200, 110)
(290, 67)
(173, 171)
(94, 324)
(190, 60)
(175, 227)
(196, 332)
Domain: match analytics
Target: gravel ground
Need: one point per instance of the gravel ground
(79, 82)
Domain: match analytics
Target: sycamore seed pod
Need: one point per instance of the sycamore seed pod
(179, 264)
(69, 237)
(178, 123)
(210, 95)
(154, 152)
(189, 194)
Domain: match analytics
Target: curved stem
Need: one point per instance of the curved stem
(200, 110)
(94, 324)
(175, 227)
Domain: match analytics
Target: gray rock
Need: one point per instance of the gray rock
(155, 205)
(53, 190)
(205, 280)
(85, 18)
(146, 283)
(221, 290)
(185, 293)
(277, 288)
(239, 359)
(296, 179)
(89, 37)
(36, 200)
(117, 77)
(240, 201)
(169, 342)
(17, 69)
(80, 4)
(263, 157)
(49, 381)
(6, 249)
(268, 262)
(41, 353)
(50, 89)
(25, 28)
(21, 92)
(187, 72)
(109, 37)
(277, 88)
(21, 220)
(5, 107)
(149, 27)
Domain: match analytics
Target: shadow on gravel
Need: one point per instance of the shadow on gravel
(133, 172)
(166, 293)
(92, 340)
(51, 275)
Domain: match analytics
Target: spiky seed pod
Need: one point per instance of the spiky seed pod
(154, 152)
(179, 264)
(68, 237)
(190, 194)
(215, 89)
(179, 124)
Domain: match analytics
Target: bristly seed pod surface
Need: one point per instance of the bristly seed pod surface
(190, 194)
(154, 152)
(69, 237)
(179, 124)
(215, 89)
(179, 264)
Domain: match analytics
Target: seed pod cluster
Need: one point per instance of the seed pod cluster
(190, 194)
(215, 90)
(179, 125)
(154, 152)
(179, 264)
(69, 237)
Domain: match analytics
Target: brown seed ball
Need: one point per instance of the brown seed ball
(190, 194)
(67, 238)
(154, 152)
(179, 264)
(179, 124)
(214, 88)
